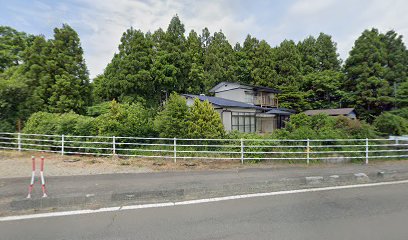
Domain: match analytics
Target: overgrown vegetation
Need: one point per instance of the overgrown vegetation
(48, 80)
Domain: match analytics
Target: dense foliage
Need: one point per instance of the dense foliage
(171, 121)
(323, 126)
(203, 121)
(390, 124)
(50, 76)
(41, 75)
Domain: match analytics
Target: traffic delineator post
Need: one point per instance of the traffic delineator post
(30, 188)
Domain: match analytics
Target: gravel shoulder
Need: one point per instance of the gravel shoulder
(18, 164)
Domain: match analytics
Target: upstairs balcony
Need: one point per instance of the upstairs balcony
(265, 101)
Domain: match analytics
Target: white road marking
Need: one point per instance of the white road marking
(198, 201)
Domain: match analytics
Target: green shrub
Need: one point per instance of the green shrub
(203, 121)
(390, 124)
(55, 123)
(171, 121)
(355, 128)
(42, 123)
(125, 120)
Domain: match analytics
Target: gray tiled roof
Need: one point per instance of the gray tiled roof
(222, 102)
(330, 112)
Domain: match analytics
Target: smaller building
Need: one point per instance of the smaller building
(347, 112)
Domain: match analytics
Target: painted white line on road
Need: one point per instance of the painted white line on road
(198, 201)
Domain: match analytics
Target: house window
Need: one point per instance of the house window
(243, 122)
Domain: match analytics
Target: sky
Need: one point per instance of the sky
(100, 23)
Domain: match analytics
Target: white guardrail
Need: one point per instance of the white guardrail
(234, 149)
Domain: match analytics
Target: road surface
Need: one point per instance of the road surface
(379, 212)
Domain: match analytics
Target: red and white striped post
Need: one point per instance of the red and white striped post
(30, 188)
(42, 177)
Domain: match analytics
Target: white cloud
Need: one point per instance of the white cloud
(102, 23)
(344, 20)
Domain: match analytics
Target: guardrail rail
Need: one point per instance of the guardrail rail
(233, 149)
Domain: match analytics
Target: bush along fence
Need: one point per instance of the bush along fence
(328, 150)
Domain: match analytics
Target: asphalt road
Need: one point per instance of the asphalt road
(379, 212)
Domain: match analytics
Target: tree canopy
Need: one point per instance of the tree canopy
(50, 75)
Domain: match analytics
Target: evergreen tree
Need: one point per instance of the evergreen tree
(205, 39)
(70, 89)
(219, 61)
(323, 89)
(128, 76)
(402, 95)
(196, 61)
(367, 88)
(245, 56)
(171, 66)
(308, 51)
(319, 54)
(203, 121)
(262, 69)
(327, 56)
(13, 92)
(396, 65)
(12, 45)
(288, 67)
(171, 121)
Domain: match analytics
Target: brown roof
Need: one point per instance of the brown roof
(330, 112)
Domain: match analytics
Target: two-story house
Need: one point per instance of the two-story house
(246, 108)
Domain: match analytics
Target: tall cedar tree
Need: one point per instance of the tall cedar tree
(127, 77)
(263, 72)
(244, 59)
(170, 66)
(397, 66)
(219, 61)
(69, 89)
(195, 78)
(322, 78)
(366, 68)
(288, 67)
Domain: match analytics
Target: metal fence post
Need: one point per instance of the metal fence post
(113, 145)
(396, 141)
(366, 160)
(175, 149)
(308, 151)
(62, 144)
(19, 141)
(242, 151)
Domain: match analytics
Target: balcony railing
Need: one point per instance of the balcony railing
(266, 101)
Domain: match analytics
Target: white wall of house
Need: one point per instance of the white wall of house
(237, 94)
(240, 93)
(226, 120)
